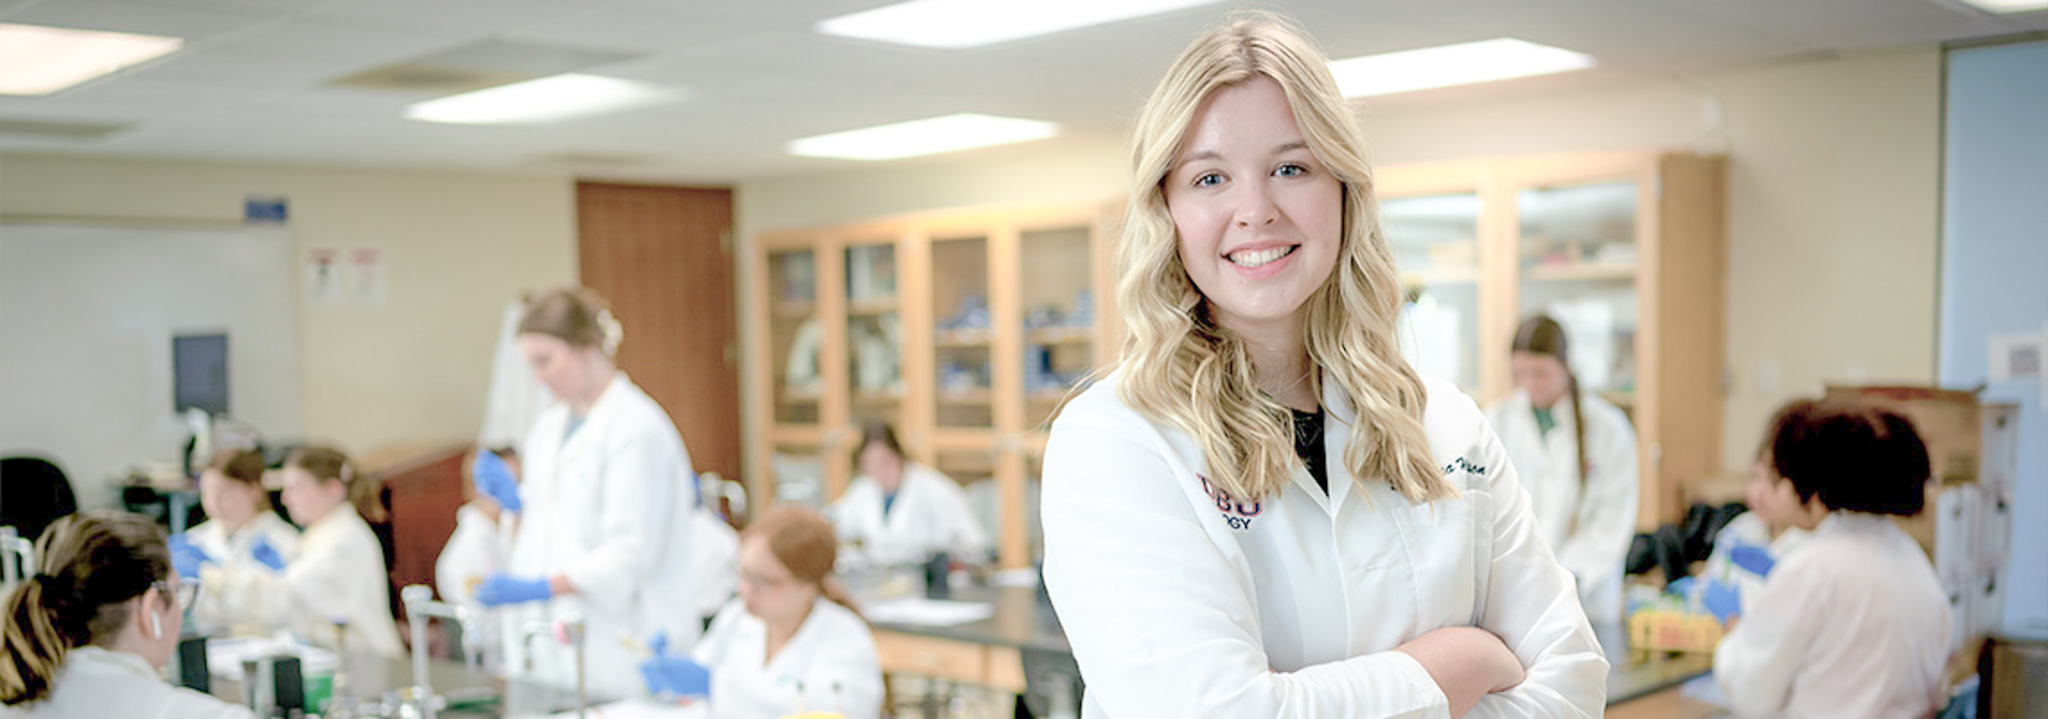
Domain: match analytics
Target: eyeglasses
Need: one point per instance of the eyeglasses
(186, 593)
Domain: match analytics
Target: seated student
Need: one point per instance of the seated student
(901, 512)
(87, 636)
(339, 574)
(791, 642)
(1854, 624)
(477, 549)
(239, 519)
(1751, 545)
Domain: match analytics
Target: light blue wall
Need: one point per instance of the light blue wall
(1994, 270)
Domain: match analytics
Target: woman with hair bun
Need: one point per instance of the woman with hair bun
(601, 520)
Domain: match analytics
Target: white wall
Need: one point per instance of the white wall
(1832, 201)
(456, 247)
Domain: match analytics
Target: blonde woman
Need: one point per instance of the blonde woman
(1263, 511)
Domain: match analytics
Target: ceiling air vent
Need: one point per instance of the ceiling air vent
(478, 65)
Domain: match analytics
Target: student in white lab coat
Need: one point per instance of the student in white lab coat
(239, 519)
(902, 512)
(603, 509)
(477, 549)
(87, 636)
(1264, 511)
(1576, 455)
(791, 643)
(1749, 547)
(339, 573)
(1855, 622)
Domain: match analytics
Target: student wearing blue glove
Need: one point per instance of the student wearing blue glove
(1751, 546)
(791, 642)
(1854, 623)
(604, 505)
(337, 571)
(239, 519)
(481, 544)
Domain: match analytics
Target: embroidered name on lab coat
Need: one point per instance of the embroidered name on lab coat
(1477, 470)
(1234, 512)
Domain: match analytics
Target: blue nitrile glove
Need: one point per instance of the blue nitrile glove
(504, 589)
(1754, 559)
(1722, 599)
(186, 558)
(266, 554)
(494, 479)
(1681, 586)
(673, 674)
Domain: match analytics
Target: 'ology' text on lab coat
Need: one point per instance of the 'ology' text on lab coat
(930, 515)
(830, 665)
(1181, 600)
(609, 507)
(1589, 524)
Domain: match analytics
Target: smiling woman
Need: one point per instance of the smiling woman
(1264, 511)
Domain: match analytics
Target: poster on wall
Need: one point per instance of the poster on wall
(323, 276)
(366, 276)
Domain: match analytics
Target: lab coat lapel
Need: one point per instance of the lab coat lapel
(584, 441)
(1338, 418)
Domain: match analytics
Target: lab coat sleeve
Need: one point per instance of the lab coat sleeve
(1532, 604)
(1161, 622)
(1755, 662)
(314, 587)
(1607, 514)
(639, 487)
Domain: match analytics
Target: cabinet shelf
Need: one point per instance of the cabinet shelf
(964, 338)
(795, 310)
(1061, 335)
(871, 307)
(1580, 272)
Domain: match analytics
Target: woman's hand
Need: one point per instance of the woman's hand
(1466, 663)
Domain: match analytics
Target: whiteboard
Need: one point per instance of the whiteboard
(86, 319)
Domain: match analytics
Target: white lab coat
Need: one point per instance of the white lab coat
(1182, 601)
(610, 509)
(473, 553)
(1590, 531)
(339, 574)
(930, 515)
(1854, 624)
(1748, 529)
(830, 665)
(216, 613)
(96, 682)
(717, 548)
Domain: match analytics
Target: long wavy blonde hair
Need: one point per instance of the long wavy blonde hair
(1181, 368)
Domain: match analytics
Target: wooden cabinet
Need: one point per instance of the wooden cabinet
(965, 329)
(1626, 249)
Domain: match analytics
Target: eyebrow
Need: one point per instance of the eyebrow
(1284, 147)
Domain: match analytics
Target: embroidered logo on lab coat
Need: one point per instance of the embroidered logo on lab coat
(1236, 513)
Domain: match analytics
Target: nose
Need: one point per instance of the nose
(1255, 207)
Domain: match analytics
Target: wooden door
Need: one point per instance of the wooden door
(663, 257)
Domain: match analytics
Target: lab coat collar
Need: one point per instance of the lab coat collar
(1338, 417)
(341, 516)
(593, 423)
(1839, 522)
(97, 660)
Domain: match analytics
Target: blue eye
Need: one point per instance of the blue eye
(1209, 179)
(1290, 170)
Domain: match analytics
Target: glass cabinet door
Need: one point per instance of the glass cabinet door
(964, 333)
(1577, 262)
(799, 474)
(1435, 242)
(874, 337)
(1059, 317)
(796, 336)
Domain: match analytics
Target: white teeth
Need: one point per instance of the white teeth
(1251, 259)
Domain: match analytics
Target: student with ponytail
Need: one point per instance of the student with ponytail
(88, 634)
(791, 642)
(339, 573)
(1577, 455)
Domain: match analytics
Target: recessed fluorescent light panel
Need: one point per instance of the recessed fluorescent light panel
(39, 60)
(929, 136)
(2003, 7)
(1463, 64)
(958, 24)
(549, 99)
